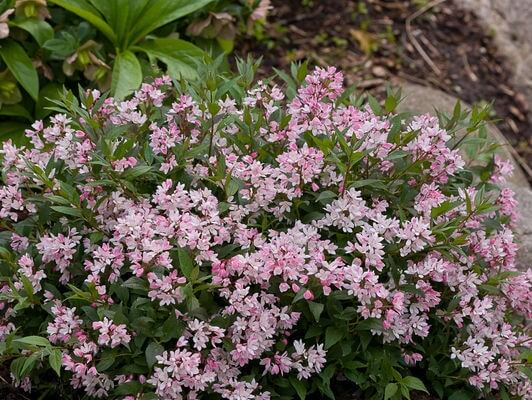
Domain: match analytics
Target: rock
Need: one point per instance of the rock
(509, 20)
(524, 229)
(420, 100)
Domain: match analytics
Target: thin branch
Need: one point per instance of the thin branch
(414, 41)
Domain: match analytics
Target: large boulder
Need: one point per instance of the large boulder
(510, 22)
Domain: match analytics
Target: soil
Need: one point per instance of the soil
(376, 42)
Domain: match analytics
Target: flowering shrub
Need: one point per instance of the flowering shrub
(224, 239)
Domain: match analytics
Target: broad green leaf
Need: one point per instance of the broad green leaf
(15, 110)
(299, 386)
(186, 264)
(74, 212)
(162, 12)
(179, 56)
(405, 392)
(132, 387)
(13, 131)
(40, 30)
(332, 336)
(105, 363)
(326, 195)
(154, 349)
(135, 172)
(414, 383)
(316, 309)
(20, 66)
(84, 10)
(390, 390)
(127, 75)
(34, 341)
(55, 361)
(460, 395)
(29, 364)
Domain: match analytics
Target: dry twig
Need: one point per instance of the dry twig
(413, 40)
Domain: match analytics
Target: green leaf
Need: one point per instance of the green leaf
(460, 395)
(86, 11)
(29, 364)
(405, 392)
(374, 105)
(390, 390)
(376, 183)
(105, 363)
(122, 16)
(180, 56)
(326, 195)
(132, 387)
(149, 396)
(13, 131)
(74, 212)
(135, 172)
(299, 386)
(316, 309)
(127, 74)
(55, 361)
(15, 110)
(40, 30)
(162, 12)
(20, 66)
(332, 336)
(186, 264)
(38, 341)
(17, 365)
(154, 349)
(414, 383)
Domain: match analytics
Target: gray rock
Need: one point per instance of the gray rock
(524, 229)
(509, 20)
(420, 100)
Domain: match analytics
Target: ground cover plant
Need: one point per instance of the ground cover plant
(107, 44)
(228, 238)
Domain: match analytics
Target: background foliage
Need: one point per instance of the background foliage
(108, 44)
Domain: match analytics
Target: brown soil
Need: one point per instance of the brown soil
(370, 41)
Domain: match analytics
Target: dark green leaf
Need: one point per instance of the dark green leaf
(299, 386)
(67, 210)
(20, 66)
(161, 12)
(135, 172)
(316, 309)
(332, 336)
(180, 56)
(132, 387)
(40, 30)
(154, 349)
(186, 263)
(127, 74)
(414, 383)
(86, 11)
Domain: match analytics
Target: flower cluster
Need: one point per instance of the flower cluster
(233, 241)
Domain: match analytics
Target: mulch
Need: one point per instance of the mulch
(376, 42)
